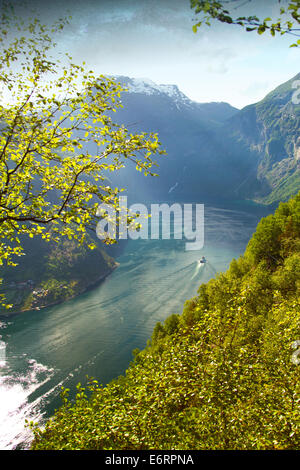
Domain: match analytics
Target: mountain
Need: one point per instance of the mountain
(214, 151)
(195, 164)
(52, 272)
(270, 130)
(214, 112)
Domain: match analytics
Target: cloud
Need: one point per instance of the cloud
(154, 38)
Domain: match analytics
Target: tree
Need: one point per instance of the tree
(57, 139)
(224, 11)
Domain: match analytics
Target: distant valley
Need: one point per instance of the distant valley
(215, 152)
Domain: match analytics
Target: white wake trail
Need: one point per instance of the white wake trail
(198, 267)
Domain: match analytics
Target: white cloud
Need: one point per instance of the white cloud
(155, 39)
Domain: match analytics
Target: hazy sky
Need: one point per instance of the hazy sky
(154, 39)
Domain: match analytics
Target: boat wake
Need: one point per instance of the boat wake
(15, 406)
(199, 267)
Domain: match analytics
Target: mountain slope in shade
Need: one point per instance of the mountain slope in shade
(51, 273)
(270, 130)
(196, 161)
(214, 150)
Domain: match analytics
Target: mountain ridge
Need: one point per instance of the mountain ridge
(257, 147)
(270, 129)
(149, 87)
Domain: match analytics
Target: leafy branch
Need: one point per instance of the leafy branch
(223, 11)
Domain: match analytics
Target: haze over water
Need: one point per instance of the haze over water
(95, 333)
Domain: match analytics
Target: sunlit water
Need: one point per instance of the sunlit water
(95, 333)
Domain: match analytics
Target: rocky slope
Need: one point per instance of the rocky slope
(214, 150)
(270, 130)
(51, 273)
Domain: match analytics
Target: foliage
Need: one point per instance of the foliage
(224, 11)
(220, 376)
(51, 111)
(53, 272)
(43, 136)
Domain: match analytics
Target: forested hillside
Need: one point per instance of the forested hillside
(223, 375)
(52, 272)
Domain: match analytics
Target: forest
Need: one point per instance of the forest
(223, 375)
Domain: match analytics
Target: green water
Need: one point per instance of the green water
(95, 333)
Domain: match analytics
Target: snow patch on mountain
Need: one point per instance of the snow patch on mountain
(213, 111)
(148, 87)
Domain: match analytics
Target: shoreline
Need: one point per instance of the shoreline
(87, 288)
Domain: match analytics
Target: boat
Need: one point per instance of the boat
(202, 260)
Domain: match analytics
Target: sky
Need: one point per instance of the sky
(153, 39)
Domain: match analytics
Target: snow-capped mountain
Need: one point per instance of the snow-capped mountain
(148, 87)
(194, 166)
(214, 151)
(215, 111)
